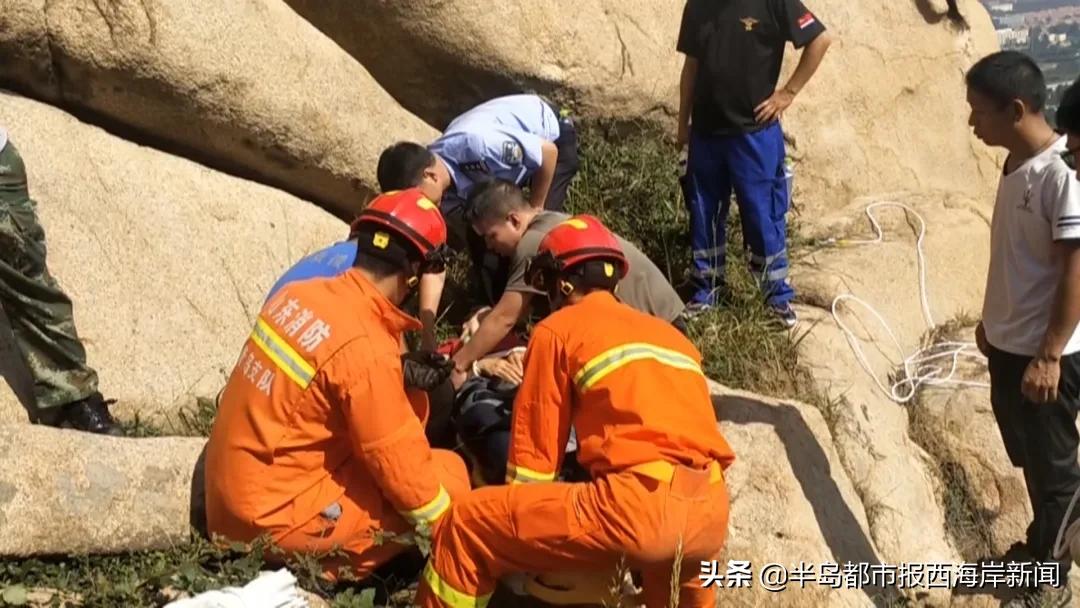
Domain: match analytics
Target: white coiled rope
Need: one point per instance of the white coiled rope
(921, 367)
(935, 365)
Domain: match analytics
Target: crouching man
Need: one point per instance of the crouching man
(512, 228)
(631, 385)
(316, 443)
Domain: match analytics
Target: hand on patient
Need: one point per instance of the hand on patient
(510, 368)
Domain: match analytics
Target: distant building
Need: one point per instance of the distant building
(1064, 14)
(1014, 37)
(1058, 39)
(1008, 21)
(1000, 7)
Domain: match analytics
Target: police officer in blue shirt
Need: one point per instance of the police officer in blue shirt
(729, 115)
(523, 139)
(516, 138)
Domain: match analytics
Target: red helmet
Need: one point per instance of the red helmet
(578, 240)
(411, 215)
(415, 226)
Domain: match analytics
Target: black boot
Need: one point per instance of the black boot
(90, 415)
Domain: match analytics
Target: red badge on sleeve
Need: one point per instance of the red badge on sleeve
(806, 21)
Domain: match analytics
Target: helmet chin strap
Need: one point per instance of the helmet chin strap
(559, 292)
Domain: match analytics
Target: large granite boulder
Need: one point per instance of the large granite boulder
(167, 262)
(248, 87)
(66, 492)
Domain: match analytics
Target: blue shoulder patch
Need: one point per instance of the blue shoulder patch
(328, 262)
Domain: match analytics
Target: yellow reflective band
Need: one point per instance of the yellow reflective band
(283, 355)
(520, 474)
(661, 470)
(430, 512)
(450, 596)
(608, 361)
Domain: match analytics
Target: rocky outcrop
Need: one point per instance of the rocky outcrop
(964, 437)
(791, 503)
(896, 479)
(886, 111)
(245, 86)
(64, 492)
(167, 261)
(610, 58)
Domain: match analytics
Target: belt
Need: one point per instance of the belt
(662, 470)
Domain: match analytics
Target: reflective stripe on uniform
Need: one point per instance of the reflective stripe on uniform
(516, 474)
(430, 512)
(777, 275)
(705, 254)
(662, 470)
(610, 360)
(766, 260)
(450, 596)
(283, 355)
(707, 273)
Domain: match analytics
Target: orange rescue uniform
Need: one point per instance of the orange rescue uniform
(632, 387)
(316, 442)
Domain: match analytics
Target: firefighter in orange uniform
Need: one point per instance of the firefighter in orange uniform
(316, 442)
(632, 387)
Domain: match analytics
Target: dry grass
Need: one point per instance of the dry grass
(964, 520)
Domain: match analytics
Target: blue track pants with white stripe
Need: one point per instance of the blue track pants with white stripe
(752, 165)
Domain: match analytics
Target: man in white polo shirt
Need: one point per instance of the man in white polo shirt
(1032, 305)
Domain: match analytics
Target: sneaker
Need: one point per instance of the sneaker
(90, 415)
(786, 315)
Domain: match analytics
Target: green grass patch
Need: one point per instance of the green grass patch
(628, 179)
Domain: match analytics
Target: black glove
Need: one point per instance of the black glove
(425, 370)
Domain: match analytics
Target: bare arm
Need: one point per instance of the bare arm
(1065, 315)
(431, 289)
(541, 181)
(773, 107)
(686, 97)
(1043, 375)
(493, 328)
(809, 62)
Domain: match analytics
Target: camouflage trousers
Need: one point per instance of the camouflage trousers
(40, 312)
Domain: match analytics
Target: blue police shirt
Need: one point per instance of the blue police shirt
(498, 139)
(328, 262)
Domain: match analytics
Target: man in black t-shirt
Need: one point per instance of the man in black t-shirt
(729, 116)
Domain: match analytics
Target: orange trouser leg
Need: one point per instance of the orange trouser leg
(559, 527)
(657, 586)
(352, 537)
(452, 472)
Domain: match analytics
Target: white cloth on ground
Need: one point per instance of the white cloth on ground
(268, 590)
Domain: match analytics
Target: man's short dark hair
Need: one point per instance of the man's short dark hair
(378, 267)
(1006, 76)
(1068, 114)
(401, 166)
(493, 200)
